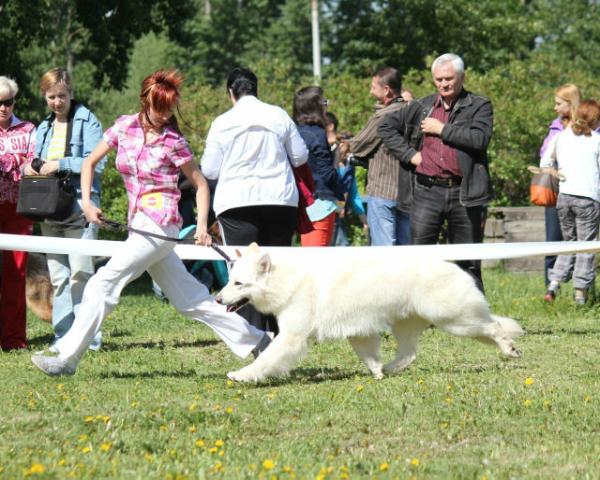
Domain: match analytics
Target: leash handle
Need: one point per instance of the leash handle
(120, 226)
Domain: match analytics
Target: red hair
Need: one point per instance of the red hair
(160, 91)
(586, 117)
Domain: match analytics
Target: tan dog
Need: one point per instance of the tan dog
(39, 293)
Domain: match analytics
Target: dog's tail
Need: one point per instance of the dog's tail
(505, 330)
(39, 295)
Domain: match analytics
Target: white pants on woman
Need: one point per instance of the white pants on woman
(190, 297)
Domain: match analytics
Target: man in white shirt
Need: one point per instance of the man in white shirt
(250, 150)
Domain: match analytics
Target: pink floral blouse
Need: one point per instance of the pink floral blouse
(17, 149)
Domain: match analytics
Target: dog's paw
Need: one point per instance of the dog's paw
(242, 375)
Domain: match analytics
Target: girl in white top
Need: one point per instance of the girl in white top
(576, 152)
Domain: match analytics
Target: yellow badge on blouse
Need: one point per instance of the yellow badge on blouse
(152, 200)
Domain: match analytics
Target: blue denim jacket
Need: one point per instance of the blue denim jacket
(87, 132)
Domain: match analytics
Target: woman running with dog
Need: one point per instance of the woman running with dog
(151, 151)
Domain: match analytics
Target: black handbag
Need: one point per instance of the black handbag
(44, 197)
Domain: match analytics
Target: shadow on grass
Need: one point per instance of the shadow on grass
(569, 331)
(150, 374)
(36, 343)
(160, 345)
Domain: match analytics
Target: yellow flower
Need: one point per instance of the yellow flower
(148, 457)
(415, 462)
(420, 381)
(105, 447)
(286, 469)
(587, 399)
(35, 469)
(213, 449)
(219, 443)
(134, 404)
(268, 464)
(193, 407)
(229, 410)
(104, 418)
(192, 429)
(527, 403)
(360, 388)
(60, 386)
(200, 443)
(230, 383)
(83, 438)
(88, 418)
(86, 449)
(529, 381)
(384, 467)
(61, 462)
(547, 404)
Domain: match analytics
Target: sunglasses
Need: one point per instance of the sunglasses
(9, 102)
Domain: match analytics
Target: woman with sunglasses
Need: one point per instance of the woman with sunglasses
(309, 112)
(151, 151)
(16, 153)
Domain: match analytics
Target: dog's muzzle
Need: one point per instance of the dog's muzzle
(234, 307)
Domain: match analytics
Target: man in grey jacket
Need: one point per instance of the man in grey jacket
(388, 182)
(445, 136)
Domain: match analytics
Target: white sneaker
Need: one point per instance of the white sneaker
(53, 366)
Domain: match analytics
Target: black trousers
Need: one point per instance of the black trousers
(434, 205)
(267, 225)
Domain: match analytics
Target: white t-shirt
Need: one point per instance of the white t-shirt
(249, 149)
(578, 159)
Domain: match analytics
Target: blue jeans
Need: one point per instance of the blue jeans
(432, 207)
(69, 275)
(387, 225)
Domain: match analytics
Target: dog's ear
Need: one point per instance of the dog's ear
(264, 264)
(253, 247)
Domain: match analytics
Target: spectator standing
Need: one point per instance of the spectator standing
(352, 199)
(577, 151)
(151, 151)
(64, 139)
(445, 136)
(251, 150)
(566, 101)
(16, 153)
(309, 110)
(389, 189)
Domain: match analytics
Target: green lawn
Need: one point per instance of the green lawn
(156, 403)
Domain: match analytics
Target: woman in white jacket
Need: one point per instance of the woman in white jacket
(576, 150)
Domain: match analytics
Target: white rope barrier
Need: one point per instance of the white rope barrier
(476, 251)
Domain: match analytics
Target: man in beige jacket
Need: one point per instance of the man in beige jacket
(388, 182)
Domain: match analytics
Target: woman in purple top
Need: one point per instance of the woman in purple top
(566, 101)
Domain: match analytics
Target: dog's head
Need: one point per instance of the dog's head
(247, 279)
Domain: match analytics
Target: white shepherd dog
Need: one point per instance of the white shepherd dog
(358, 299)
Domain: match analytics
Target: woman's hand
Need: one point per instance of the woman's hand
(48, 168)
(28, 170)
(202, 237)
(93, 214)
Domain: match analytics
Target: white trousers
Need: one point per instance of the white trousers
(191, 298)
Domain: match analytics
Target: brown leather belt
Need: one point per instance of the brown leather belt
(446, 182)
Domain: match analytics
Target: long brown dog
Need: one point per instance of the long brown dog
(38, 289)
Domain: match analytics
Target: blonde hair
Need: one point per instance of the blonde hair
(54, 77)
(8, 85)
(570, 93)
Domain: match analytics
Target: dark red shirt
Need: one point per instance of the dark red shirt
(439, 159)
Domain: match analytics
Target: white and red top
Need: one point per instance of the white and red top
(17, 149)
(150, 171)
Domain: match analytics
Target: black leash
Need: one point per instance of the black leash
(121, 227)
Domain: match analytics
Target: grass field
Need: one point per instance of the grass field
(155, 403)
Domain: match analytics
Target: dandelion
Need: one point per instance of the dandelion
(200, 443)
(527, 403)
(163, 428)
(105, 447)
(449, 400)
(148, 457)
(268, 464)
(104, 418)
(420, 381)
(62, 462)
(134, 404)
(286, 469)
(213, 450)
(221, 453)
(192, 429)
(193, 407)
(219, 443)
(83, 438)
(384, 467)
(229, 410)
(587, 399)
(547, 404)
(529, 381)
(360, 388)
(230, 383)
(414, 462)
(86, 449)
(35, 469)
(88, 418)
(60, 386)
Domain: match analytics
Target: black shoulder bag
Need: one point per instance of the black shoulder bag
(48, 197)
